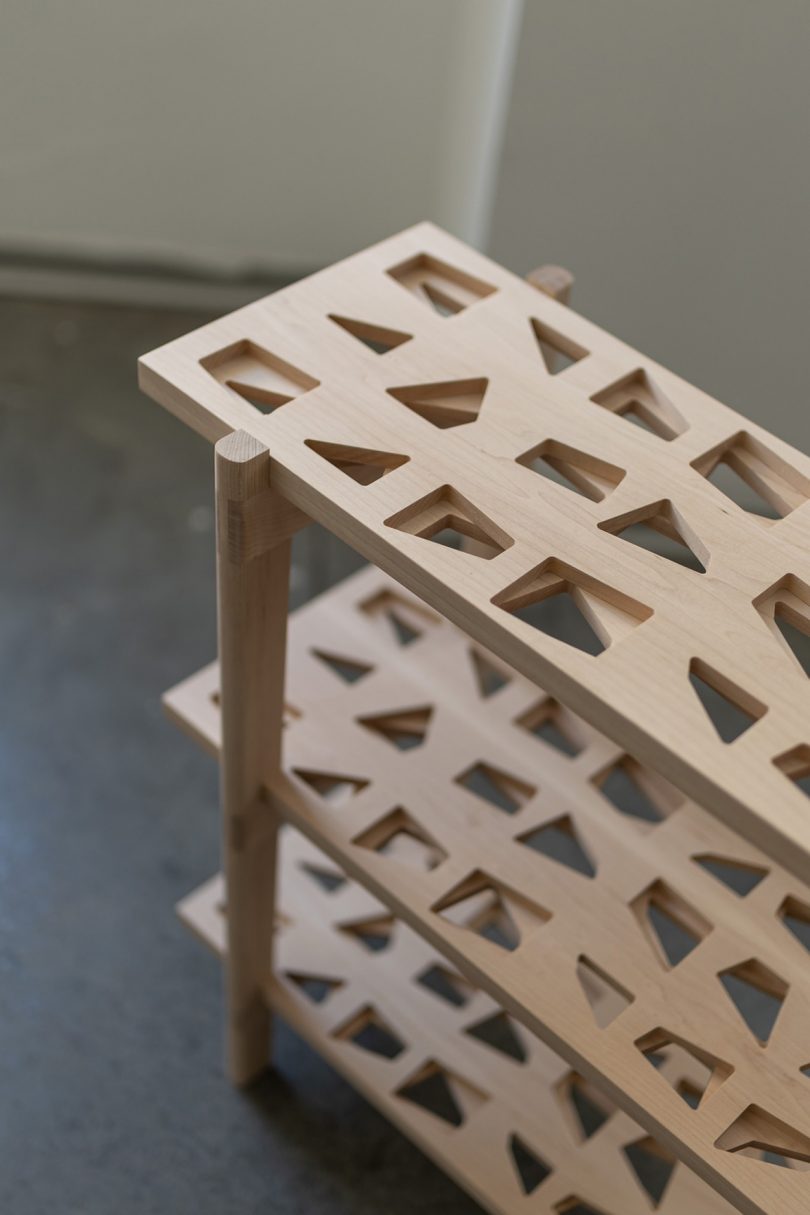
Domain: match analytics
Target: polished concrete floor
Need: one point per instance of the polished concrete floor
(111, 1093)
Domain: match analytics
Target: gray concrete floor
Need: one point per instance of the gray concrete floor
(111, 1093)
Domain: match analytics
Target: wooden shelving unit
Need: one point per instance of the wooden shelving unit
(552, 819)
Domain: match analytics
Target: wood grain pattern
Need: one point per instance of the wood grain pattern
(447, 371)
(432, 772)
(383, 1016)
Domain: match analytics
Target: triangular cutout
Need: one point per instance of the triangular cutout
(329, 880)
(795, 915)
(758, 995)
(560, 842)
(375, 337)
(443, 1093)
(795, 764)
(757, 1131)
(730, 710)
(557, 351)
(404, 728)
(753, 477)
(637, 791)
(447, 985)
(317, 988)
(653, 1166)
(572, 607)
(501, 789)
(554, 725)
(399, 837)
(347, 669)
(605, 995)
(362, 464)
(404, 620)
(586, 1109)
(671, 1055)
(373, 932)
(795, 631)
(739, 876)
(490, 678)
(445, 516)
(445, 404)
(369, 1030)
(659, 529)
(498, 1032)
(333, 787)
(572, 469)
(531, 1169)
(262, 379)
(637, 399)
(443, 287)
(672, 926)
(490, 910)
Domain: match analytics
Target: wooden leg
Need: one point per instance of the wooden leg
(253, 565)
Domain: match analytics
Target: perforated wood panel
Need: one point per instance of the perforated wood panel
(492, 1105)
(418, 389)
(618, 921)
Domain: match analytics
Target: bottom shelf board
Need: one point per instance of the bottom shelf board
(485, 1099)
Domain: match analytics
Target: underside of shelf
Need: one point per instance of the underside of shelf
(621, 924)
(489, 1103)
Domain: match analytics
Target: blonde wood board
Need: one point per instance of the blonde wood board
(438, 422)
(373, 1015)
(389, 709)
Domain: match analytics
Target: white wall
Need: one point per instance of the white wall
(262, 133)
(662, 152)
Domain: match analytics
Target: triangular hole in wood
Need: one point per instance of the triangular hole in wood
(373, 932)
(730, 710)
(659, 529)
(653, 1166)
(484, 907)
(498, 1032)
(637, 791)
(333, 787)
(400, 838)
(637, 399)
(501, 789)
(347, 669)
(672, 1056)
(739, 876)
(376, 337)
(405, 728)
(446, 404)
(554, 725)
(329, 880)
(586, 1109)
(261, 378)
(442, 1093)
(572, 607)
(447, 985)
(795, 915)
(766, 1137)
(369, 1030)
(758, 995)
(363, 465)
(445, 516)
(572, 469)
(606, 996)
(560, 842)
(490, 678)
(672, 926)
(530, 1168)
(316, 988)
(557, 351)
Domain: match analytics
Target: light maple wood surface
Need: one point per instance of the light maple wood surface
(402, 823)
(454, 412)
(331, 988)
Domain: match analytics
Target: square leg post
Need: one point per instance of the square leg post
(253, 566)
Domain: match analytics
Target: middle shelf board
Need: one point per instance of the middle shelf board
(488, 1102)
(549, 867)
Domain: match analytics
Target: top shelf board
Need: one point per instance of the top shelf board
(418, 392)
